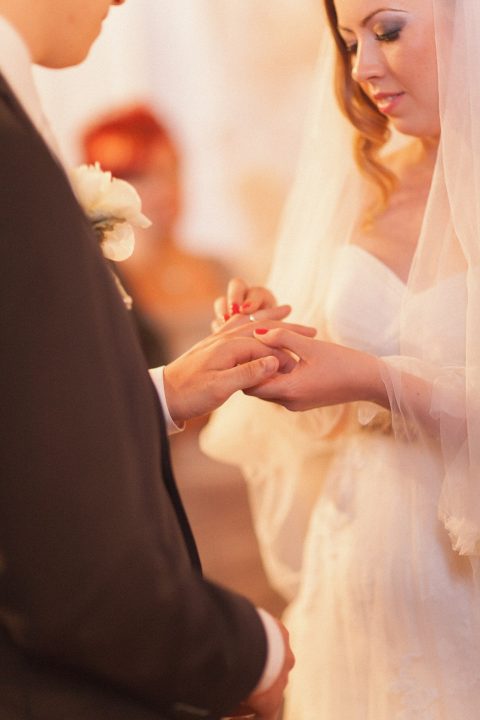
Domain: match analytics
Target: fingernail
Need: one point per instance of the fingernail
(235, 309)
(270, 363)
(226, 317)
(245, 305)
(261, 331)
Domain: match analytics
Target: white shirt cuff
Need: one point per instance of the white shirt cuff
(157, 378)
(275, 652)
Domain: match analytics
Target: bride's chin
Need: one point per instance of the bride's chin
(415, 129)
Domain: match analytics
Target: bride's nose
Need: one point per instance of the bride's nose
(368, 63)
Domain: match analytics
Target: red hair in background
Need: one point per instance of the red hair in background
(122, 141)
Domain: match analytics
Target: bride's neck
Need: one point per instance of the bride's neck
(427, 149)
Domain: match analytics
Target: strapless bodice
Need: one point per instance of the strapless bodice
(365, 301)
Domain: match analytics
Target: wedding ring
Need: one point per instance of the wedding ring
(252, 318)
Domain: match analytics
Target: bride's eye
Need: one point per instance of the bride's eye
(350, 45)
(388, 36)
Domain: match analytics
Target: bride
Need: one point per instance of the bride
(366, 500)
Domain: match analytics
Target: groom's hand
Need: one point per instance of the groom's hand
(267, 705)
(205, 376)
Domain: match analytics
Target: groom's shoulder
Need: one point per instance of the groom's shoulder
(36, 199)
(21, 147)
(18, 145)
(27, 168)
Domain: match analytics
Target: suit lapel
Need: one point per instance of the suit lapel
(9, 96)
(10, 99)
(172, 489)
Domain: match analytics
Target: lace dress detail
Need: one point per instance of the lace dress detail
(384, 622)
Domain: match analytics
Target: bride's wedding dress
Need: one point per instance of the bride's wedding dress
(383, 614)
(383, 622)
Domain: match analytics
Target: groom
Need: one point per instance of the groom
(104, 613)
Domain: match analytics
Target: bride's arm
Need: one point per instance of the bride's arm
(330, 374)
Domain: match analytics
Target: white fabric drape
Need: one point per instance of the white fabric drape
(282, 454)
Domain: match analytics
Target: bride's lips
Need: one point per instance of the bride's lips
(387, 102)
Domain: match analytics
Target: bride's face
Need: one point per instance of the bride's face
(392, 46)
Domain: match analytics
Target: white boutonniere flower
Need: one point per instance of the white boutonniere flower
(113, 206)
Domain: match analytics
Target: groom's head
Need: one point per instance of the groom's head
(59, 33)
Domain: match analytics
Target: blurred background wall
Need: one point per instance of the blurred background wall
(231, 79)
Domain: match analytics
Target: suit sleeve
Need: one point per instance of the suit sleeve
(94, 576)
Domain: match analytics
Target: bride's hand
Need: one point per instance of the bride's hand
(326, 374)
(242, 300)
(262, 318)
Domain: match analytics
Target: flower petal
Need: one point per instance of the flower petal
(118, 244)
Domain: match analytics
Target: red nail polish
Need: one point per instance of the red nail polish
(261, 331)
(226, 317)
(245, 305)
(235, 309)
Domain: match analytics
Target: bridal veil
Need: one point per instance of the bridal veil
(282, 453)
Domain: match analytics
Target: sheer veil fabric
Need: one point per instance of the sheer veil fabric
(274, 448)
(284, 455)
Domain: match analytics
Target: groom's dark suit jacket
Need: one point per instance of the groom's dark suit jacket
(104, 614)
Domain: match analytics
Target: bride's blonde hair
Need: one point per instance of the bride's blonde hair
(373, 130)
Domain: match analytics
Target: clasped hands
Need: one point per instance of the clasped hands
(253, 349)
(232, 358)
(324, 373)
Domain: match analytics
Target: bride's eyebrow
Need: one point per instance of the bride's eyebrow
(371, 15)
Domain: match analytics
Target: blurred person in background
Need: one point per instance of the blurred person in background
(172, 287)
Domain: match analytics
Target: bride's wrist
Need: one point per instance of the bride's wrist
(368, 382)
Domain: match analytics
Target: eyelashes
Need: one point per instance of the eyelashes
(388, 36)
